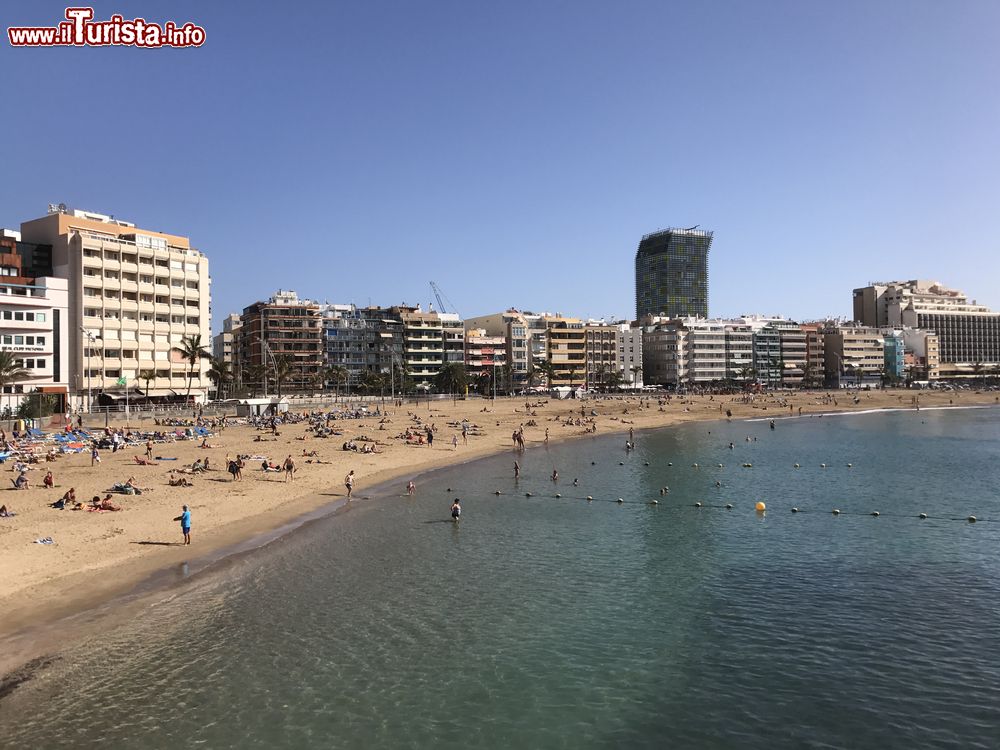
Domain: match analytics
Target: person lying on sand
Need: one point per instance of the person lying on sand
(143, 461)
(179, 481)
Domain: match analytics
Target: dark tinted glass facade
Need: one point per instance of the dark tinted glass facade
(671, 273)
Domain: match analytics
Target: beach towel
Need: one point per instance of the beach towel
(46, 540)
(164, 458)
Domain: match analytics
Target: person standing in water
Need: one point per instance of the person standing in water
(349, 483)
(517, 470)
(456, 510)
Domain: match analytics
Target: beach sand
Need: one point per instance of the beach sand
(98, 556)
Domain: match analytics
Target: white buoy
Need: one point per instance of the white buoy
(694, 466)
(558, 494)
(875, 513)
(720, 466)
(796, 466)
(621, 463)
(527, 494)
(836, 512)
(795, 510)
(654, 502)
(822, 466)
(621, 500)
(589, 498)
(497, 492)
(697, 505)
(850, 466)
(645, 463)
(670, 463)
(972, 519)
(729, 506)
(922, 515)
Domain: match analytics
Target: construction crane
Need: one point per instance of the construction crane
(438, 294)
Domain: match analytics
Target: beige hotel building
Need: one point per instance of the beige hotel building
(133, 295)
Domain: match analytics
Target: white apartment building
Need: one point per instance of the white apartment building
(629, 354)
(968, 333)
(33, 329)
(133, 295)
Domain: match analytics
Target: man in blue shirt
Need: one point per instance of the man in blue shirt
(185, 519)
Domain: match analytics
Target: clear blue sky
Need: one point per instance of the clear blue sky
(515, 152)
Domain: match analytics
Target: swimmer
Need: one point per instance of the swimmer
(555, 475)
(411, 488)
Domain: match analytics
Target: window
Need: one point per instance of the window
(19, 341)
(91, 312)
(18, 316)
(162, 280)
(177, 265)
(188, 266)
(109, 255)
(162, 264)
(177, 283)
(111, 275)
(145, 278)
(112, 353)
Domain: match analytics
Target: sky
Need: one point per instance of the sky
(515, 153)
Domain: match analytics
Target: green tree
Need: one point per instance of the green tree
(337, 375)
(192, 350)
(283, 368)
(451, 378)
(147, 375)
(220, 373)
(36, 405)
(11, 371)
(254, 379)
(548, 371)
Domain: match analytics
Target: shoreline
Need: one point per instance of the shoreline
(30, 628)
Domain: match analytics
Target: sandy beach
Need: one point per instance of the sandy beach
(96, 556)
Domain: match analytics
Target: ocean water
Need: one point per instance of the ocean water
(544, 622)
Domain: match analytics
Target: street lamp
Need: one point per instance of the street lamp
(91, 337)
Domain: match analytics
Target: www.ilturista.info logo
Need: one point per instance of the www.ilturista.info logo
(80, 30)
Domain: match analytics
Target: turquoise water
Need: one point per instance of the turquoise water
(557, 623)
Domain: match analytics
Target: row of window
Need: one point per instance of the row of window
(95, 273)
(30, 364)
(94, 312)
(10, 340)
(38, 317)
(117, 257)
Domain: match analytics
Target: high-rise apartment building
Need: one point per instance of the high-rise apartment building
(363, 341)
(514, 328)
(134, 294)
(671, 273)
(485, 358)
(222, 343)
(285, 333)
(968, 333)
(855, 355)
(430, 340)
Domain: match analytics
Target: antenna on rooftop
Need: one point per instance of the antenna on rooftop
(691, 229)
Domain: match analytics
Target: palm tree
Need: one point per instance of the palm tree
(451, 378)
(254, 375)
(192, 350)
(336, 374)
(283, 367)
(147, 375)
(547, 369)
(10, 370)
(220, 373)
(636, 375)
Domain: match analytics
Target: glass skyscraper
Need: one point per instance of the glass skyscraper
(671, 273)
